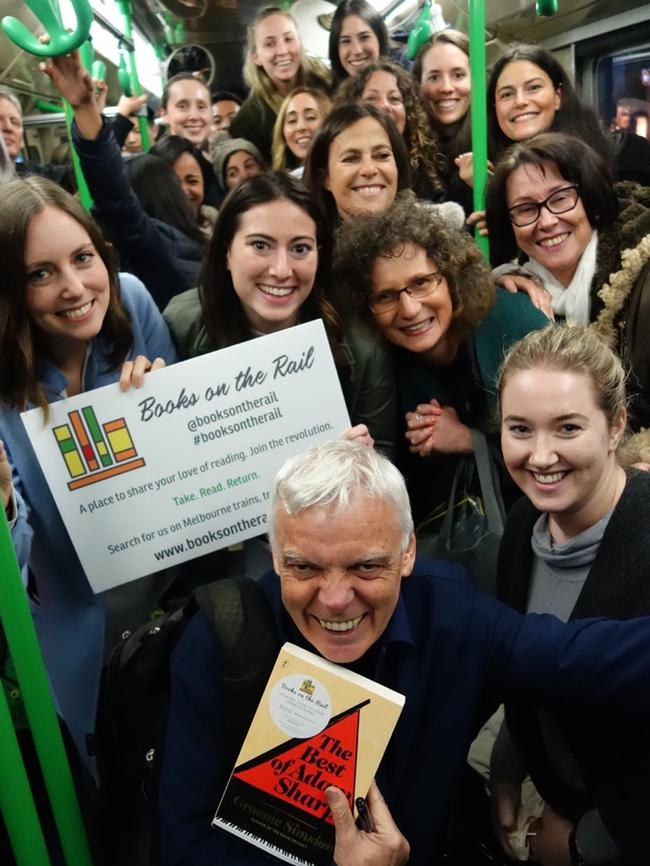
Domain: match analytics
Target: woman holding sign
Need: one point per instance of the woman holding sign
(268, 268)
(68, 323)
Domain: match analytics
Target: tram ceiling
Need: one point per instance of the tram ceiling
(220, 27)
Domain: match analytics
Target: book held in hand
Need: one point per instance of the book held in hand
(317, 725)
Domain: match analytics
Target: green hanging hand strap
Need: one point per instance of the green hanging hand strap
(134, 82)
(478, 111)
(47, 12)
(123, 76)
(421, 31)
(30, 670)
(61, 42)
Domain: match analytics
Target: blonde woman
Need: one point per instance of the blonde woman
(298, 121)
(275, 65)
(576, 545)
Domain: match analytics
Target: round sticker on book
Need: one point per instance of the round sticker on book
(300, 706)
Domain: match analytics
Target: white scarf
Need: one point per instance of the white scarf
(572, 302)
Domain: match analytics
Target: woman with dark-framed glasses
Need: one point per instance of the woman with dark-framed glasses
(426, 290)
(552, 202)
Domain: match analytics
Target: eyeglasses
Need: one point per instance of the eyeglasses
(387, 299)
(561, 201)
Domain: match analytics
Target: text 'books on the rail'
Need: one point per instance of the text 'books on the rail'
(317, 725)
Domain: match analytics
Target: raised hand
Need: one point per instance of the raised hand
(71, 78)
(5, 477)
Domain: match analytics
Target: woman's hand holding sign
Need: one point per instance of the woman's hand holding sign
(133, 372)
(5, 477)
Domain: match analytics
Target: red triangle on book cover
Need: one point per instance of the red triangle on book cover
(299, 771)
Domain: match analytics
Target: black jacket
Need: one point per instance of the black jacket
(166, 260)
(614, 762)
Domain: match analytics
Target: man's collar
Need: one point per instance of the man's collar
(398, 629)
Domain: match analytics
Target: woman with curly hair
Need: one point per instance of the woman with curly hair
(427, 290)
(441, 71)
(298, 121)
(275, 64)
(391, 89)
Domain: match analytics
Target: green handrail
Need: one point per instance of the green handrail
(478, 111)
(44, 105)
(16, 801)
(30, 670)
(125, 8)
(61, 40)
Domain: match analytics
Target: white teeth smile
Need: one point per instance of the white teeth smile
(276, 291)
(551, 478)
(345, 625)
(77, 313)
(415, 329)
(554, 242)
(368, 190)
(447, 103)
(526, 116)
(303, 142)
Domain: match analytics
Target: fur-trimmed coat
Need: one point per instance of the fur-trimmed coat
(620, 292)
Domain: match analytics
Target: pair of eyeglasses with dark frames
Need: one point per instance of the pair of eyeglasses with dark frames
(561, 201)
(386, 300)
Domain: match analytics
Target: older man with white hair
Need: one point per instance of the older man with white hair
(346, 585)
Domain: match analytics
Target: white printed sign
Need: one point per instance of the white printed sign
(184, 465)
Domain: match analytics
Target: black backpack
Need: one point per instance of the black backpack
(136, 689)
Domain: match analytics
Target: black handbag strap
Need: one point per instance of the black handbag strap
(490, 493)
(460, 475)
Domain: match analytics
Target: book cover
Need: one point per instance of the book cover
(317, 725)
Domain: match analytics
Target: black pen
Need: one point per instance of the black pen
(364, 820)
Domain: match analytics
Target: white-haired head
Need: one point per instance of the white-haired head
(5, 93)
(332, 474)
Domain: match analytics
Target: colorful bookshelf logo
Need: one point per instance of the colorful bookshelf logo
(94, 452)
(307, 687)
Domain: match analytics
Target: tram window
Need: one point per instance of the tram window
(623, 80)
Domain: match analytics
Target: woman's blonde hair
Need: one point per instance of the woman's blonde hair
(281, 156)
(311, 71)
(571, 347)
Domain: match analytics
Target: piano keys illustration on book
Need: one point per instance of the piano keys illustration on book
(275, 798)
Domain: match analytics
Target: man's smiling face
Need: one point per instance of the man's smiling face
(341, 572)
